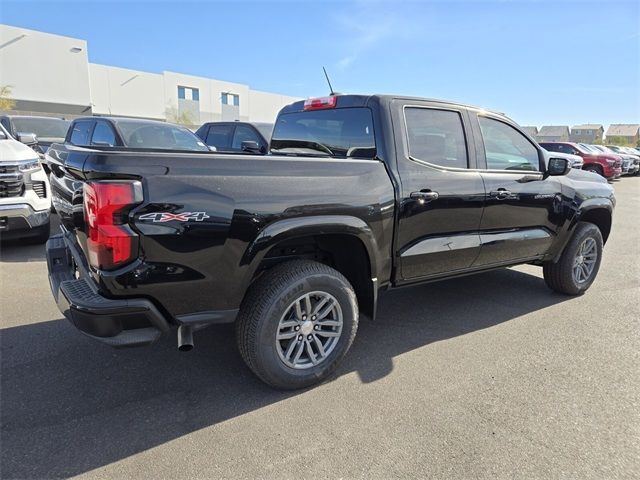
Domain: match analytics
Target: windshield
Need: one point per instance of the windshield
(589, 148)
(343, 132)
(42, 127)
(159, 136)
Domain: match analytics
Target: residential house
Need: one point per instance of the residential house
(532, 131)
(629, 133)
(553, 133)
(587, 133)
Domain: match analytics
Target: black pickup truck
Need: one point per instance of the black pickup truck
(358, 194)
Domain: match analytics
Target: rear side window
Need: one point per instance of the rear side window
(506, 148)
(80, 132)
(436, 136)
(103, 135)
(340, 132)
(219, 136)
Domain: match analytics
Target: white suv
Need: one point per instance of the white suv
(25, 194)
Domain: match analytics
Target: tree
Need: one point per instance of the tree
(6, 102)
(174, 116)
(617, 140)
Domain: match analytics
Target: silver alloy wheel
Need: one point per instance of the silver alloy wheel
(585, 261)
(309, 330)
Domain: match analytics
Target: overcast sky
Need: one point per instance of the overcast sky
(541, 62)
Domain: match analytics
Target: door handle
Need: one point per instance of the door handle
(501, 194)
(424, 196)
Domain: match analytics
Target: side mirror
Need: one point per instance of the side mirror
(251, 146)
(558, 166)
(27, 138)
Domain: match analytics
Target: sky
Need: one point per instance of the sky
(540, 62)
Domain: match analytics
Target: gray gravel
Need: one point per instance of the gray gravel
(481, 377)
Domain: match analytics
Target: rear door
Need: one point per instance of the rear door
(522, 203)
(441, 191)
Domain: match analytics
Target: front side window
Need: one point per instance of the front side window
(80, 133)
(103, 135)
(340, 132)
(506, 148)
(242, 134)
(436, 136)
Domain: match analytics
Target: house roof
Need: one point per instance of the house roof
(623, 130)
(553, 130)
(588, 126)
(533, 131)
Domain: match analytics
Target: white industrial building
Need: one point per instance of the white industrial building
(51, 75)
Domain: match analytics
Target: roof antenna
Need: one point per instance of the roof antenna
(328, 81)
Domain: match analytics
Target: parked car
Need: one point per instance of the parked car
(132, 133)
(25, 195)
(631, 153)
(575, 161)
(606, 165)
(361, 194)
(237, 137)
(630, 163)
(47, 130)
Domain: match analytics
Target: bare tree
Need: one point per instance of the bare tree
(6, 102)
(174, 116)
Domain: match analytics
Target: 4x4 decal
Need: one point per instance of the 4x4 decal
(161, 217)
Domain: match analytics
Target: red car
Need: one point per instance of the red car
(606, 164)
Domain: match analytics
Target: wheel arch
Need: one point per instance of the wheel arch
(343, 242)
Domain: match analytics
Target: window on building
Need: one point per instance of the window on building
(189, 93)
(436, 136)
(230, 99)
(506, 148)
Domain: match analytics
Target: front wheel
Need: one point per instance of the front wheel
(579, 263)
(296, 324)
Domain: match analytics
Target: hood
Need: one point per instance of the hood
(12, 150)
(586, 176)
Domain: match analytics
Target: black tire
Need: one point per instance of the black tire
(560, 276)
(41, 234)
(594, 168)
(266, 303)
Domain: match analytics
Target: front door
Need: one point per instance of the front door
(521, 207)
(442, 194)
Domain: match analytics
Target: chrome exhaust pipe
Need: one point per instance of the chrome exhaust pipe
(185, 338)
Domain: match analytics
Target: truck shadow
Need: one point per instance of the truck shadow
(23, 250)
(69, 405)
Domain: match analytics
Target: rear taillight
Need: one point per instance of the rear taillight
(320, 103)
(110, 241)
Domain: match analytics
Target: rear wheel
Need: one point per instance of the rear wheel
(296, 324)
(579, 263)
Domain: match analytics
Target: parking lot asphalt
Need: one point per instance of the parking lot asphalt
(489, 376)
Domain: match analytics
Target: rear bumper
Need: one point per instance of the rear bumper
(116, 322)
